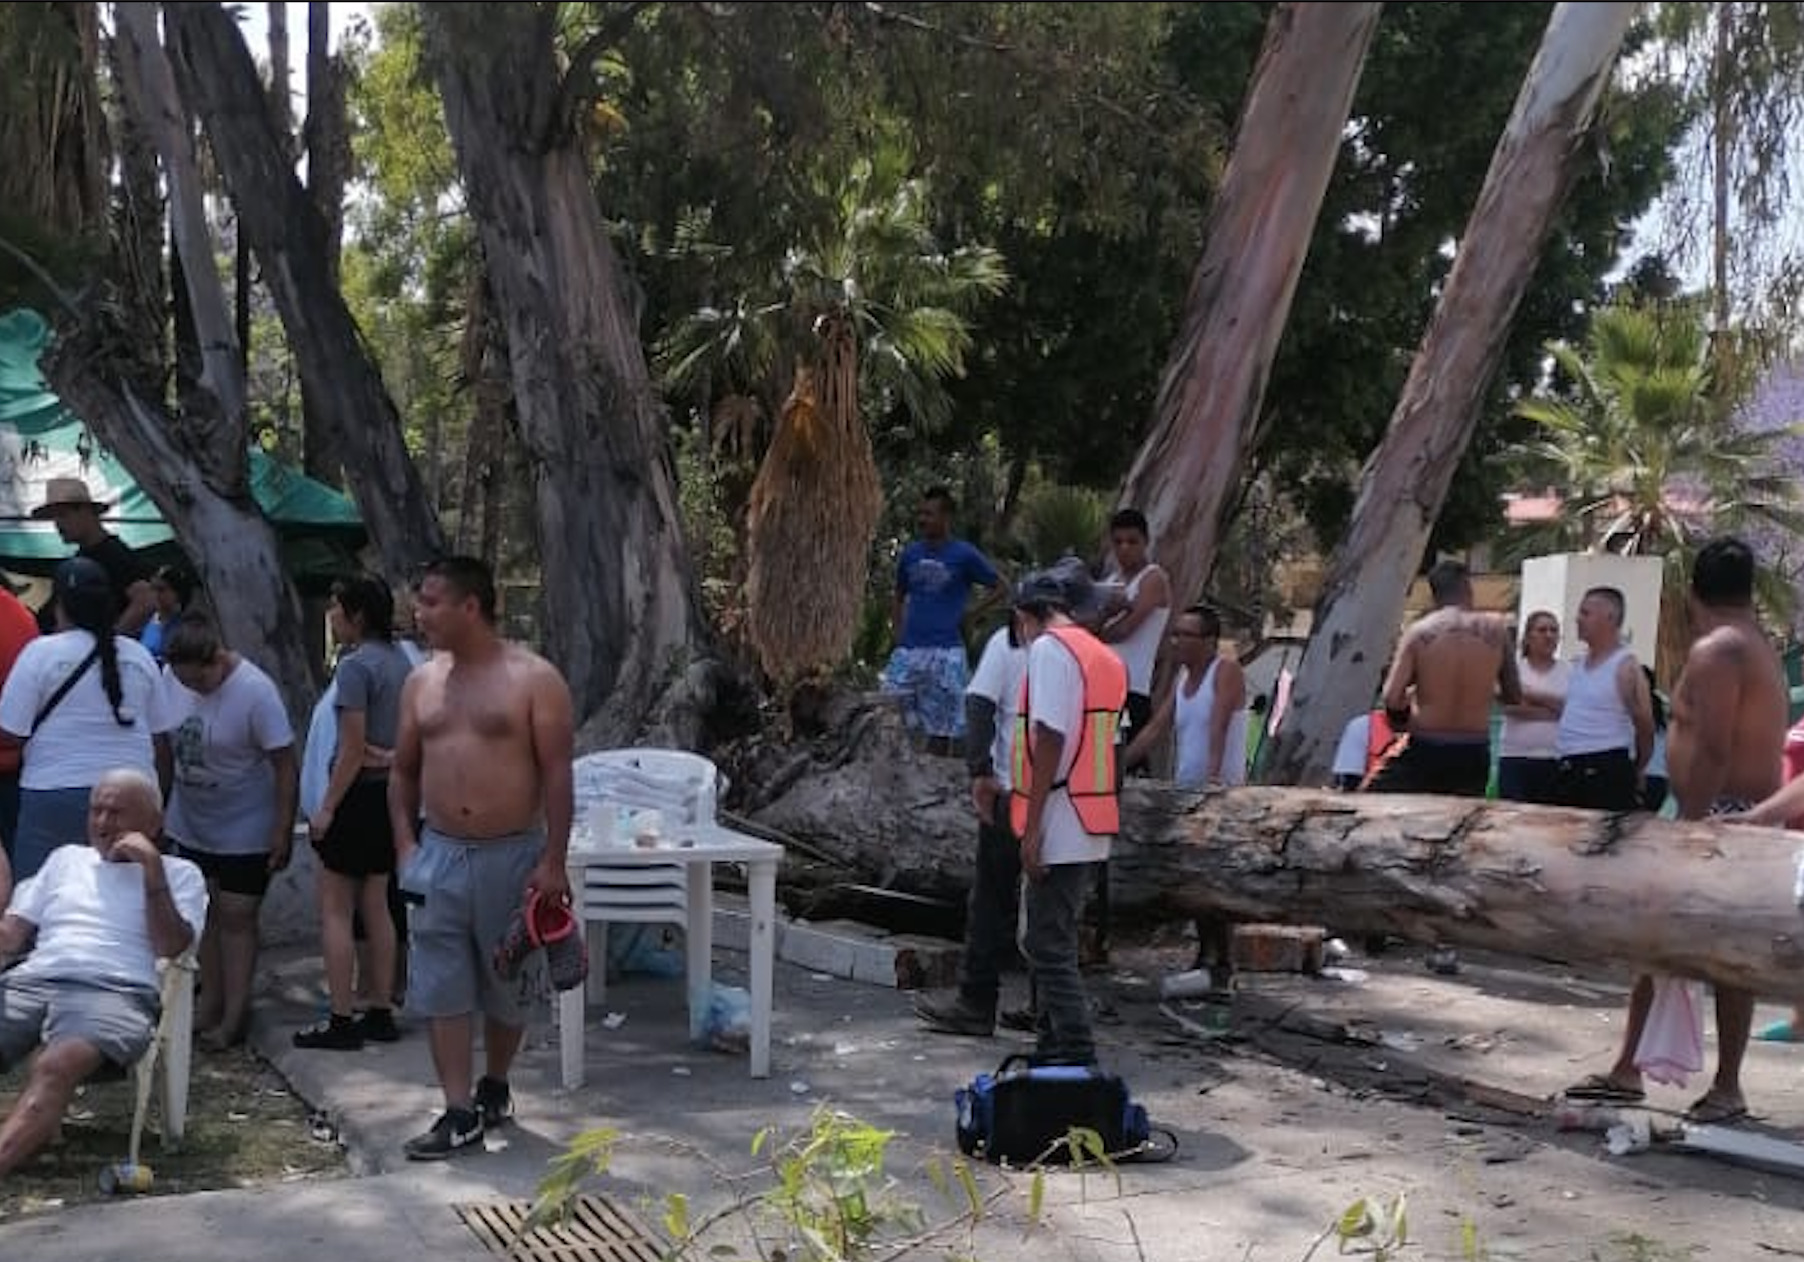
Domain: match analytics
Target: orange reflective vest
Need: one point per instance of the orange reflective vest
(1091, 784)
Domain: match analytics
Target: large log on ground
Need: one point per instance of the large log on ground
(887, 814)
(1705, 899)
(1697, 899)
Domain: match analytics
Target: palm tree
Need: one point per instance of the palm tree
(865, 316)
(1642, 448)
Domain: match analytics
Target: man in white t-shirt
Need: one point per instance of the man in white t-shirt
(1065, 800)
(994, 906)
(91, 926)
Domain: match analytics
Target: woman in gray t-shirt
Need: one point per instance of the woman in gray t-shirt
(226, 751)
(350, 828)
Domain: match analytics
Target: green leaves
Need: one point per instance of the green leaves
(1365, 1229)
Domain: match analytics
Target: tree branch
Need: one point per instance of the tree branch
(884, 14)
(43, 277)
(581, 81)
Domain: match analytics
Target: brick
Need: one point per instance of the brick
(1277, 948)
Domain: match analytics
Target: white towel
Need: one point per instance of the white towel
(1672, 1043)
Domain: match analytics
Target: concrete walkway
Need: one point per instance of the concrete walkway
(1280, 1131)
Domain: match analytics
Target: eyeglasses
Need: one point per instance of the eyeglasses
(1188, 635)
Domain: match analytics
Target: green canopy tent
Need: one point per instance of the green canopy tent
(40, 438)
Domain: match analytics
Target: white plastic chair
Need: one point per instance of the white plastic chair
(174, 1044)
(684, 788)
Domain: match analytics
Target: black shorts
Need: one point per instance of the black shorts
(246, 874)
(1455, 769)
(361, 841)
(1597, 782)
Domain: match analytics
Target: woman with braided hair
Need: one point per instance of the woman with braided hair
(80, 701)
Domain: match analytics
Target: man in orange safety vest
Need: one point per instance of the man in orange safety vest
(1065, 805)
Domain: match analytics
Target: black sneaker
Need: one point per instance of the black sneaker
(377, 1025)
(457, 1130)
(1026, 1020)
(335, 1034)
(955, 1016)
(494, 1100)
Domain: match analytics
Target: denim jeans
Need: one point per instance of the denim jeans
(1055, 904)
(990, 916)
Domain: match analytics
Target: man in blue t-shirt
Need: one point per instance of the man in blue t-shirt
(934, 578)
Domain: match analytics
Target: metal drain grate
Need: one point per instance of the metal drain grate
(596, 1231)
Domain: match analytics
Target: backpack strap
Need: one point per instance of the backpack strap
(1160, 1146)
(56, 698)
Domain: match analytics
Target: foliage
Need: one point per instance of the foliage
(1741, 65)
(411, 260)
(809, 520)
(1379, 1231)
(1056, 520)
(873, 264)
(1640, 445)
(51, 206)
(1080, 143)
(822, 1195)
(1409, 175)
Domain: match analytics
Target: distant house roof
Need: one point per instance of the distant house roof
(1522, 508)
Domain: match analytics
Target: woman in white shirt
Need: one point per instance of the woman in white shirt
(80, 700)
(1526, 760)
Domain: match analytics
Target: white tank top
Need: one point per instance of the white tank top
(1139, 650)
(1595, 720)
(1190, 725)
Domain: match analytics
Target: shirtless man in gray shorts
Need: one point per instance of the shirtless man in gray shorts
(1725, 749)
(483, 757)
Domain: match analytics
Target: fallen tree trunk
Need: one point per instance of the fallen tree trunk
(1697, 899)
(1703, 899)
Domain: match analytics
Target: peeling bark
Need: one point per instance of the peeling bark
(619, 597)
(326, 136)
(1404, 484)
(1186, 475)
(284, 229)
(194, 463)
(1695, 899)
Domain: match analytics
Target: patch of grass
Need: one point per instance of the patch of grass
(246, 1128)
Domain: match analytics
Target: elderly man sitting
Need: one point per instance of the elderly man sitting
(91, 926)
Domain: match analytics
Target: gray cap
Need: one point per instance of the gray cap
(1066, 584)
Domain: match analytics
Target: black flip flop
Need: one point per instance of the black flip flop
(1598, 1089)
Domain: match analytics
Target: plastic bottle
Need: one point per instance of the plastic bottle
(1193, 984)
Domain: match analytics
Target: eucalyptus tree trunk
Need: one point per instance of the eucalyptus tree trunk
(484, 364)
(1404, 483)
(326, 135)
(619, 598)
(1186, 475)
(1581, 887)
(289, 238)
(194, 465)
(138, 234)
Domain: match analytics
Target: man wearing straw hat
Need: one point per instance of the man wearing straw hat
(72, 507)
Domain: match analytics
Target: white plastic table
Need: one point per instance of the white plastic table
(674, 882)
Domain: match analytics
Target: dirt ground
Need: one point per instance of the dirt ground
(246, 1128)
(1443, 1089)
